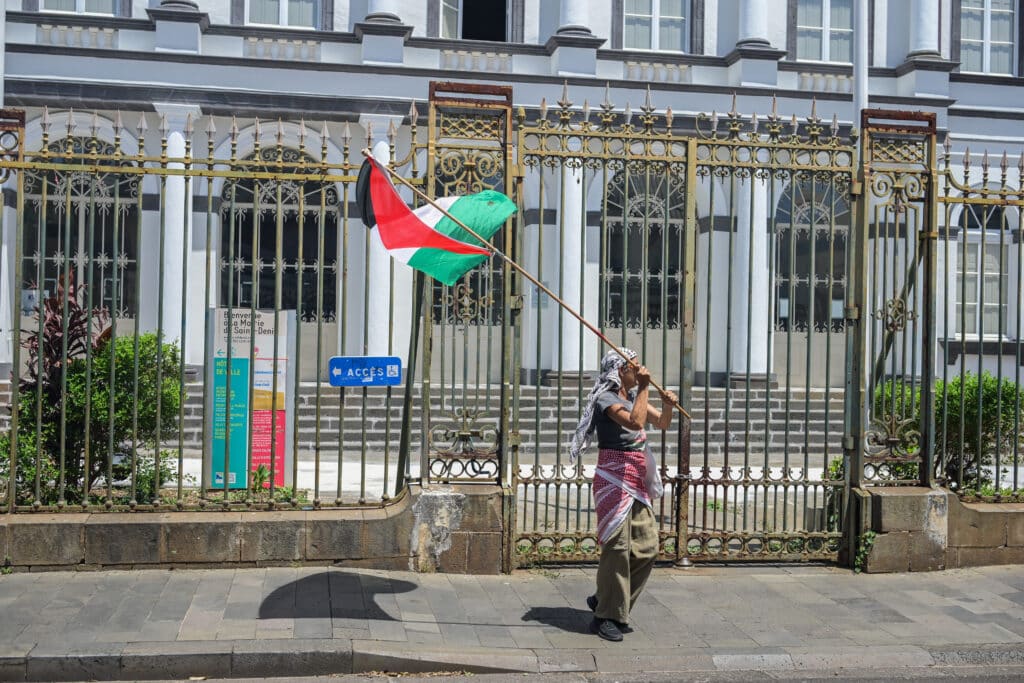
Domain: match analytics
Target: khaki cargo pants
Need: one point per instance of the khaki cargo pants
(626, 562)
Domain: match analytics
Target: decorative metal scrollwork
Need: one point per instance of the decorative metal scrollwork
(464, 307)
(895, 314)
(892, 437)
(464, 448)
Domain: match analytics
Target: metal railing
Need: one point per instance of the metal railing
(133, 251)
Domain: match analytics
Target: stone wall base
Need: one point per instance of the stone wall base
(456, 529)
(922, 529)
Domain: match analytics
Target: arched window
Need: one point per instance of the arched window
(310, 239)
(812, 222)
(983, 274)
(88, 225)
(641, 275)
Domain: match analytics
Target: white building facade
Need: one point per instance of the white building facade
(355, 68)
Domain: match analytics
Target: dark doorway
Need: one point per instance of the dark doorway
(484, 20)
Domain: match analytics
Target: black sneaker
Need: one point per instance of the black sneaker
(606, 628)
(592, 604)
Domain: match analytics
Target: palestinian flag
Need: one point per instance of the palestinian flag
(426, 238)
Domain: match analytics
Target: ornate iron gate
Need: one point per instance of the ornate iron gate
(470, 327)
(720, 255)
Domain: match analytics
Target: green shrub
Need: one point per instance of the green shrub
(1001, 419)
(134, 421)
(957, 434)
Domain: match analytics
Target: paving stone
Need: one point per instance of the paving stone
(751, 662)
(652, 660)
(316, 657)
(370, 656)
(179, 659)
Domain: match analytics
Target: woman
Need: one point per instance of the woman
(617, 409)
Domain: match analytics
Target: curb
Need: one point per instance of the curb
(321, 657)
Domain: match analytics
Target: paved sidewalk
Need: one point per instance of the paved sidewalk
(310, 621)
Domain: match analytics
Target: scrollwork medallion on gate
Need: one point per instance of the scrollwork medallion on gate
(895, 315)
(464, 448)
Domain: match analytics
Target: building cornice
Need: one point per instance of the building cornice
(84, 20)
(660, 57)
(476, 46)
(986, 79)
(925, 64)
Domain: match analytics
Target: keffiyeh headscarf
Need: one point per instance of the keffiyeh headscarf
(608, 380)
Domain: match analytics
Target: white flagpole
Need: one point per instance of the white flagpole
(860, 60)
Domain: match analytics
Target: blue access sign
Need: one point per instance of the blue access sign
(365, 371)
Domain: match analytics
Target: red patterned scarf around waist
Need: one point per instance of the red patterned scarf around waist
(618, 481)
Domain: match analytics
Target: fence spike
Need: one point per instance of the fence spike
(835, 125)
(302, 132)
(967, 160)
(1004, 164)
(714, 120)
(234, 127)
(754, 123)
(814, 109)
(280, 131)
(775, 109)
(324, 134)
(733, 112)
(795, 124)
(628, 114)
(984, 162)
(346, 134)
(142, 127)
(369, 133)
(211, 129)
(607, 105)
(71, 122)
(45, 122)
(647, 108)
(164, 126)
(564, 102)
(543, 107)
(189, 126)
(1020, 164)
(413, 113)
(668, 119)
(257, 130)
(94, 125)
(392, 132)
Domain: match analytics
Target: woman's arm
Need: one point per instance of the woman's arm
(661, 419)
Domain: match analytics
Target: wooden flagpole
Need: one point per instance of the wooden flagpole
(523, 272)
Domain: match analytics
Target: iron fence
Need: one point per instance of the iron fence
(759, 269)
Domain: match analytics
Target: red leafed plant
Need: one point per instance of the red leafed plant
(82, 329)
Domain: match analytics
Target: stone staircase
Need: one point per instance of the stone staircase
(803, 422)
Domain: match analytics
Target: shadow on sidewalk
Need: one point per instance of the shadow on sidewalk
(332, 594)
(566, 618)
